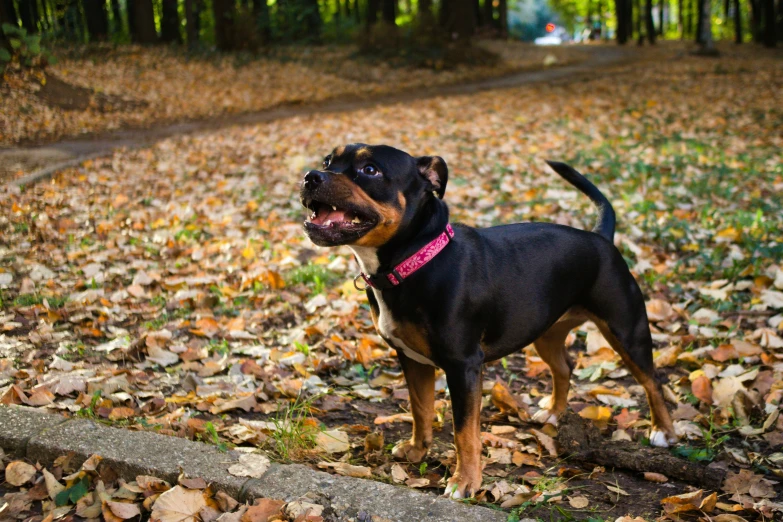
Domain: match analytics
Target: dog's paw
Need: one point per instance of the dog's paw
(545, 416)
(406, 450)
(463, 485)
(659, 439)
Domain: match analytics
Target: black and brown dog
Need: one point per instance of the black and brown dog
(467, 296)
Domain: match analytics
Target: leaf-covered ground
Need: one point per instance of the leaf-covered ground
(101, 88)
(172, 288)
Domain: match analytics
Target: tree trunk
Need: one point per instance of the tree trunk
(145, 22)
(263, 21)
(223, 11)
(737, 22)
(169, 22)
(116, 17)
(28, 12)
(639, 21)
(770, 38)
(312, 21)
(8, 14)
(192, 22)
(621, 34)
(371, 17)
(130, 6)
(680, 24)
(661, 18)
(97, 19)
(488, 17)
(707, 43)
(699, 20)
(503, 18)
(461, 23)
(389, 11)
(648, 17)
(445, 13)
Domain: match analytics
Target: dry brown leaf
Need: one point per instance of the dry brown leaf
(579, 502)
(349, 470)
(178, 505)
(18, 473)
(655, 477)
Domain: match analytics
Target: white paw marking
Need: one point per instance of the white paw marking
(545, 417)
(450, 490)
(456, 494)
(658, 439)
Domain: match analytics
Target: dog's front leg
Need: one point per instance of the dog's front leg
(465, 389)
(421, 386)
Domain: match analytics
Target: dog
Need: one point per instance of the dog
(456, 297)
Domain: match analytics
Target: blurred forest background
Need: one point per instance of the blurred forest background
(378, 25)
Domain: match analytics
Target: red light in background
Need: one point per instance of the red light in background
(550, 28)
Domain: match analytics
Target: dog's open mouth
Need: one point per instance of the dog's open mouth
(325, 215)
(329, 223)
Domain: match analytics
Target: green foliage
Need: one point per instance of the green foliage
(26, 49)
(74, 493)
(294, 430)
(316, 277)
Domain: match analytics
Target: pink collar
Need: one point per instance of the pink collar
(409, 266)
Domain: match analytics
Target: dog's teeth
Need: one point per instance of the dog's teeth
(328, 223)
(356, 221)
(314, 215)
(334, 208)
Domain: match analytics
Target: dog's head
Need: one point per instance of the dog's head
(365, 195)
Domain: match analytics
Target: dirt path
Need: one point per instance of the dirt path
(41, 160)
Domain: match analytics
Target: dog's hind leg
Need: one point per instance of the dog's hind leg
(617, 308)
(551, 347)
(635, 348)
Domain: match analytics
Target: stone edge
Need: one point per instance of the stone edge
(42, 437)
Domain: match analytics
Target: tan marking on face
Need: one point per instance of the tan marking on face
(390, 217)
(339, 151)
(363, 153)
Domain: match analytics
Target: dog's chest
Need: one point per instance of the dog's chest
(400, 336)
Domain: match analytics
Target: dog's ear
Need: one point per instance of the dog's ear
(434, 170)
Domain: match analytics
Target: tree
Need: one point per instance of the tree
(263, 22)
(141, 20)
(707, 42)
(770, 22)
(389, 11)
(169, 22)
(223, 11)
(661, 18)
(488, 16)
(116, 14)
(650, 24)
(737, 22)
(28, 12)
(192, 22)
(97, 19)
(503, 18)
(623, 32)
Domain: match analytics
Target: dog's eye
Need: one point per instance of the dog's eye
(369, 170)
(327, 161)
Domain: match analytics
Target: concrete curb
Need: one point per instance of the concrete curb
(42, 437)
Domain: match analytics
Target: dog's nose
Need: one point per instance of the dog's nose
(314, 178)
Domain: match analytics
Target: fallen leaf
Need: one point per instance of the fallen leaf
(349, 470)
(18, 473)
(578, 502)
(178, 505)
(655, 477)
(252, 465)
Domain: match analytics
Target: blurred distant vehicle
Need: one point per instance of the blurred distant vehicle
(555, 35)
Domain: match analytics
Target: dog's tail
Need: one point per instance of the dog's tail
(606, 217)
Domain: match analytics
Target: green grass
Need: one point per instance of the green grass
(295, 431)
(317, 277)
(55, 302)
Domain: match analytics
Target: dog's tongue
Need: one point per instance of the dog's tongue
(329, 215)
